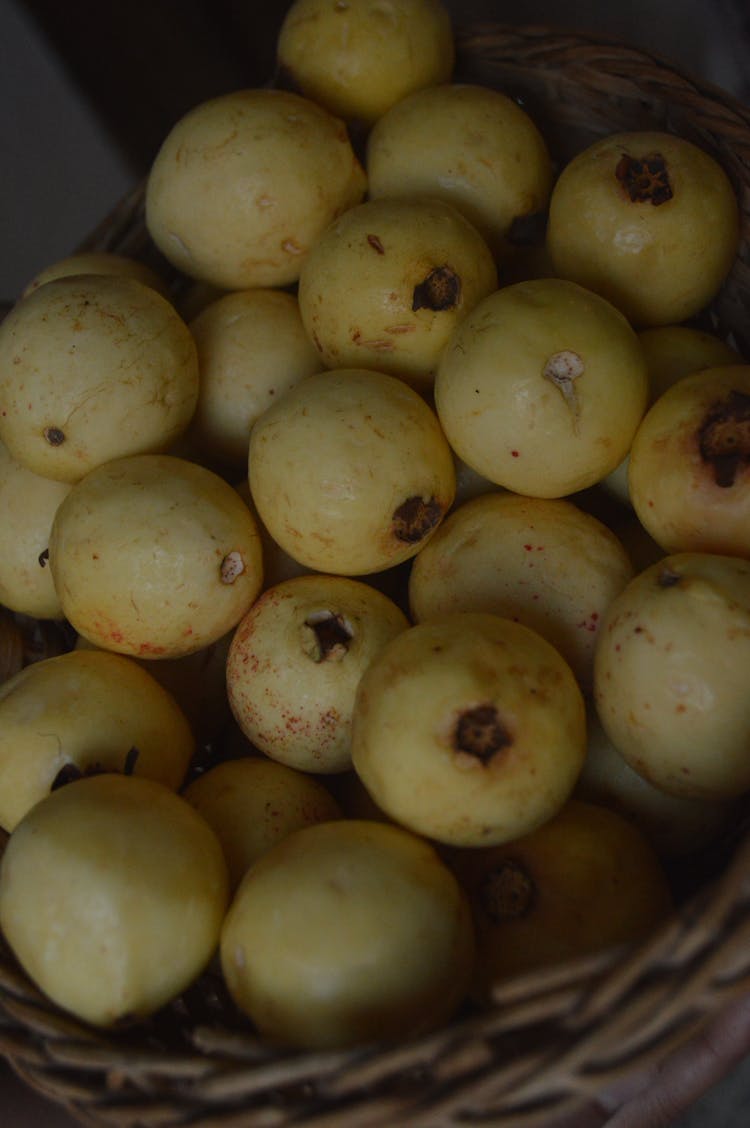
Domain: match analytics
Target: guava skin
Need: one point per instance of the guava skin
(543, 562)
(113, 890)
(295, 662)
(541, 388)
(647, 219)
(358, 59)
(348, 933)
(350, 471)
(670, 675)
(469, 729)
(584, 881)
(689, 466)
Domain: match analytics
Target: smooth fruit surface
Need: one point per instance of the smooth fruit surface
(346, 933)
(671, 675)
(542, 387)
(112, 894)
(469, 729)
(155, 556)
(647, 219)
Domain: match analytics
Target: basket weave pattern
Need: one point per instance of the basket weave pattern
(552, 1040)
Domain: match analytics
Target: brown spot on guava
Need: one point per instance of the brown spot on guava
(376, 244)
(724, 437)
(54, 436)
(440, 290)
(415, 518)
(507, 891)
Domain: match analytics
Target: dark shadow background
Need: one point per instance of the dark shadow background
(142, 65)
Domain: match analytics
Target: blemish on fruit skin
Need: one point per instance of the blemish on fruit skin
(514, 453)
(151, 648)
(591, 623)
(232, 566)
(53, 435)
(376, 244)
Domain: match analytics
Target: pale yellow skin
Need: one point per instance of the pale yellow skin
(251, 803)
(360, 57)
(155, 557)
(676, 826)
(198, 684)
(93, 367)
(585, 881)
(112, 894)
(333, 461)
(513, 424)
(28, 503)
(87, 709)
(469, 145)
(660, 264)
(252, 347)
(545, 563)
(98, 262)
(671, 352)
(670, 675)
(359, 286)
(245, 183)
(291, 693)
(674, 351)
(675, 489)
(405, 732)
(345, 933)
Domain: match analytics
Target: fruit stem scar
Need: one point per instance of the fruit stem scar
(232, 566)
(479, 732)
(54, 436)
(507, 891)
(331, 636)
(562, 369)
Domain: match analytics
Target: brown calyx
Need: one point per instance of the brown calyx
(645, 179)
(415, 518)
(480, 732)
(54, 436)
(440, 290)
(332, 635)
(724, 437)
(507, 891)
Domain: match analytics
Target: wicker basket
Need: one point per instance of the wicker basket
(553, 1041)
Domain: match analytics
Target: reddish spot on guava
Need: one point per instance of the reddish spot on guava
(150, 648)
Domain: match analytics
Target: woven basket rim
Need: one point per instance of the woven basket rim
(553, 1040)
